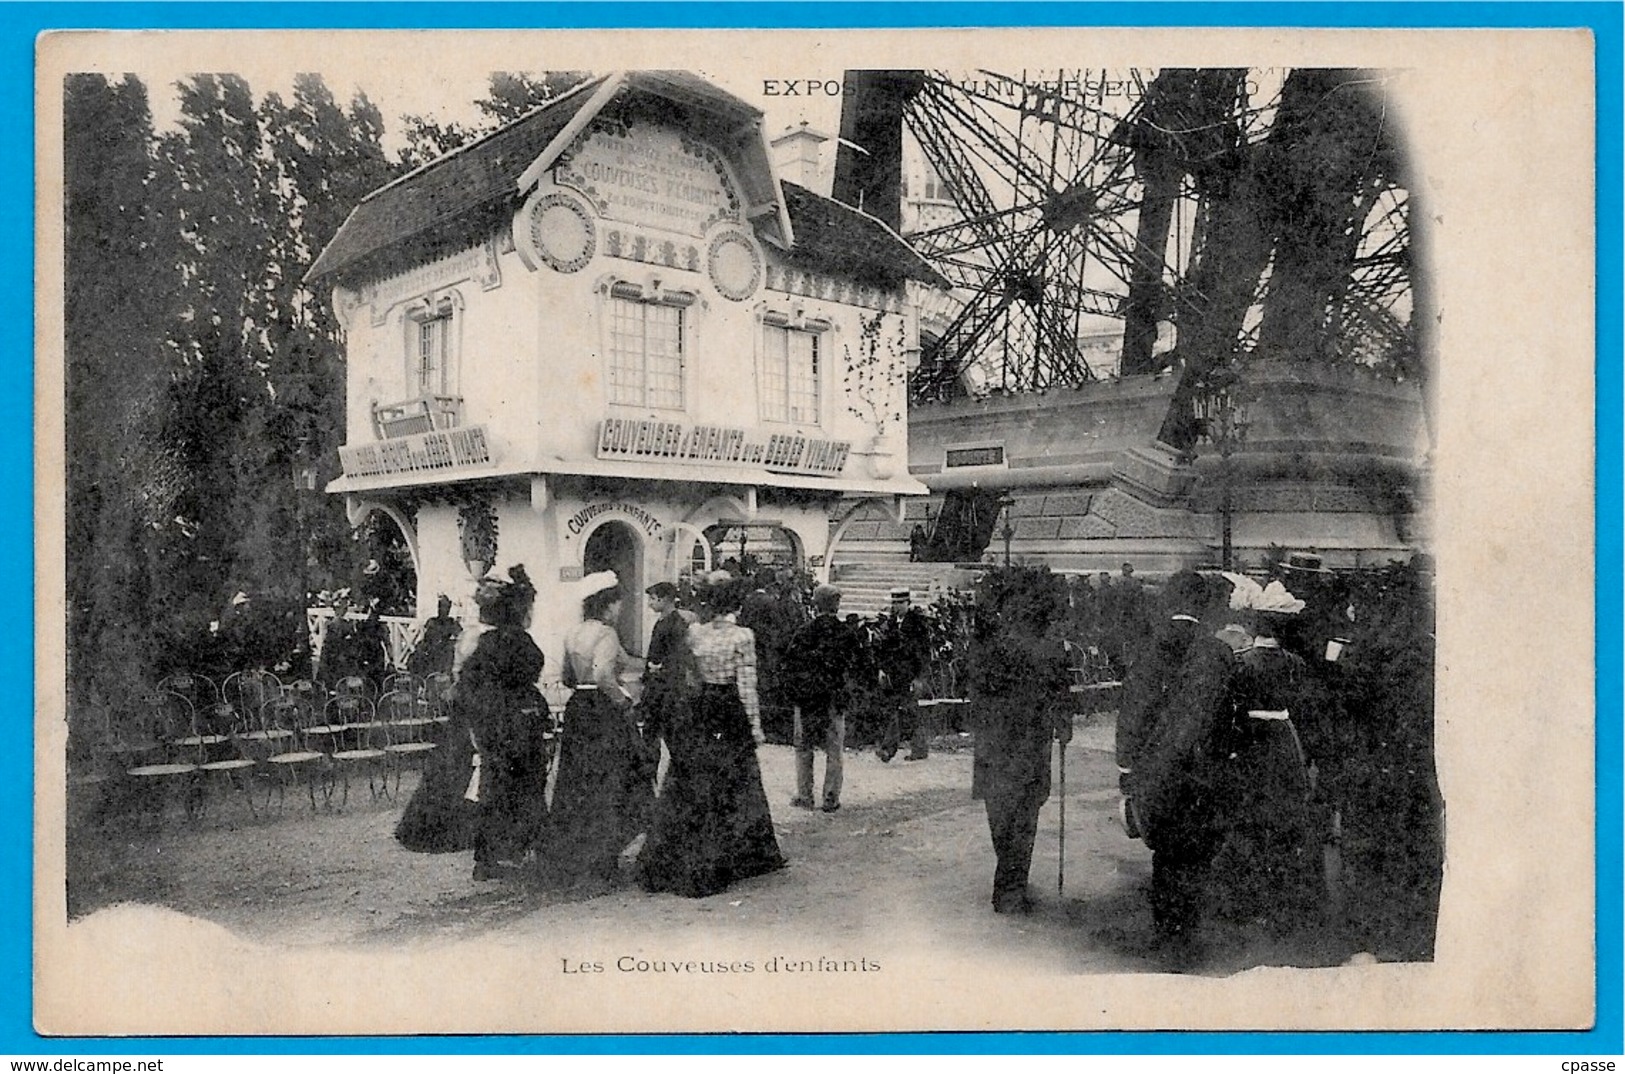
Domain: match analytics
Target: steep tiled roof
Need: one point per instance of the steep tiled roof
(835, 237)
(459, 184)
(466, 191)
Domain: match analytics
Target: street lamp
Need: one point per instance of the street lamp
(1006, 502)
(1223, 416)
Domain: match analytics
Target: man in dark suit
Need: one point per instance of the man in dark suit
(821, 660)
(1170, 753)
(661, 666)
(1019, 686)
(903, 651)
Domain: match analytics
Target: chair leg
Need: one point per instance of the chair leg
(195, 802)
(246, 787)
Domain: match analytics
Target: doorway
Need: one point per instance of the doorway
(615, 546)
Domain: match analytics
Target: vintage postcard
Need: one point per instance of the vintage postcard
(840, 531)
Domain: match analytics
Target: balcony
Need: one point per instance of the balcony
(424, 414)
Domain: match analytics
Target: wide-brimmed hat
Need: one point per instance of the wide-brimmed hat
(504, 599)
(596, 583)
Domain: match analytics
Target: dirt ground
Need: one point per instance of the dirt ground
(907, 854)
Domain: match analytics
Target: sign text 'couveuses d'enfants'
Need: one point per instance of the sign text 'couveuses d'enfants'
(673, 441)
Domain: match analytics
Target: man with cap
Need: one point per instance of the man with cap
(903, 651)
(660, 667)
(821, 659)
(1171, 760)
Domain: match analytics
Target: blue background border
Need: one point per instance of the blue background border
(20, 23)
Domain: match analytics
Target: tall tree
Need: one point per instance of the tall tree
(226, 218)
(328, 160)
(123, 481)
(509, 95)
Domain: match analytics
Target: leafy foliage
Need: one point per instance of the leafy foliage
(202, 374)
(510, 95)
(875, 374)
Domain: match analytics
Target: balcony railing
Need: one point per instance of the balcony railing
(424, 414)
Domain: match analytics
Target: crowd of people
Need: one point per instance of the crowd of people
(1256, 729)
(697, 697)
(710, 824)
(1261, 725)
(1258, 725)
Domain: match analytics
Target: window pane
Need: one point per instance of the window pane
(775, 377)
(803, 376)
(626, 364)
(645, 354)
(431, 356)
(664, 342)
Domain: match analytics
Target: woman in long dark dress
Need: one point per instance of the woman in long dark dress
(509, 719)
(602, 792)
(712, 822)
(500, 718)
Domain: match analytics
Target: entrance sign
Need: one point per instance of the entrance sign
(645, 521)
(672, 441)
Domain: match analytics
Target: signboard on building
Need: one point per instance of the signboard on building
(579, 522)
(675, 442)
(433, 452)
(992, 455)
(653, 176)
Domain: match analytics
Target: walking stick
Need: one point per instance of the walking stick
(1060, 868)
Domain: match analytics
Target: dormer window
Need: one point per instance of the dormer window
(648, 343)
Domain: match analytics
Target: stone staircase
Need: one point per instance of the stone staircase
(866, 587)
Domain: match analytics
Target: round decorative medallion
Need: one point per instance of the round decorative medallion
(562, 232)
(735, 266)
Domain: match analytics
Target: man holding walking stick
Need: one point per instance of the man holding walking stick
(1020, 704)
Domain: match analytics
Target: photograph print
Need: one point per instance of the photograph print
(929, 542)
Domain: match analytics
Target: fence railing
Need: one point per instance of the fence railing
(402, 632)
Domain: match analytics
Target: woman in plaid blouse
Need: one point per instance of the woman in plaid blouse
(712, 822)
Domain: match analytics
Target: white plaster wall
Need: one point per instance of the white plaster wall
(532, 365)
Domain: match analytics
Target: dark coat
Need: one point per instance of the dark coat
(1020, 697)
(662, 673)
(1172, 724)
(436, 649)
(902, 647)
(1270, 759)
(821, 663)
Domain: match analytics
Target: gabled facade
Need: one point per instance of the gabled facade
(608, 328)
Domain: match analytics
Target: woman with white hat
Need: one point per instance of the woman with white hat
(602, 794)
